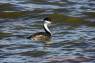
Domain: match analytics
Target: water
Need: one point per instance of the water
(72, 42)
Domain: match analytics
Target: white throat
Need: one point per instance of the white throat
(46, 27)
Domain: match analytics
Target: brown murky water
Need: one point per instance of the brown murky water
(73, 28)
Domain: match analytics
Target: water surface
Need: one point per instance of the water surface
(73, 28)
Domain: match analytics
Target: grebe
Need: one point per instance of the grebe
(43, 36)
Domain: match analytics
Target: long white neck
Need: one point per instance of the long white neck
(46, 28)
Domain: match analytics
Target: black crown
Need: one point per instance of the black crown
(47, 18)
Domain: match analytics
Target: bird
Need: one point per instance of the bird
(43, 36)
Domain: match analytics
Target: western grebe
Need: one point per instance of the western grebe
(43, 36)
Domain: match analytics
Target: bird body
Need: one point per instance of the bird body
(42, 36)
